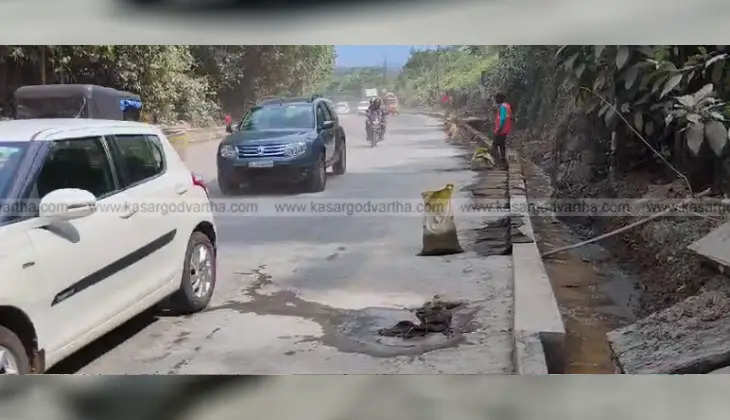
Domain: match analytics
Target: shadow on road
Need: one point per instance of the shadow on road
(108, 342)
(272, 189)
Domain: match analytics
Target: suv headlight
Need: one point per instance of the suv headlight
(295, 149)
(229, 151)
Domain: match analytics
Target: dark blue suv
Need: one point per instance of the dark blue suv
(293, 140)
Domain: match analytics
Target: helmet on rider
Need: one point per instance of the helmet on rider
(375, 103)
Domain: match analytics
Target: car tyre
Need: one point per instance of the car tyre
(199, 276)
(340, 167)
(317, 177)
(13, 356)
(226, 187)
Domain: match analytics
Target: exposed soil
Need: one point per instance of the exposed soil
(667, 272)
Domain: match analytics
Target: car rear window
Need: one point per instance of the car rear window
(10, 157)
(137, 158)
(273, 117)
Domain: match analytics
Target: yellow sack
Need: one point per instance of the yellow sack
(439, 230)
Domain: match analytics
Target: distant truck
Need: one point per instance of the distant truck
(391, 103)
(371, 93)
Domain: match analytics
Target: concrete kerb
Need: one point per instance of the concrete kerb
(194, 135)
(539, 332)
(180, 137)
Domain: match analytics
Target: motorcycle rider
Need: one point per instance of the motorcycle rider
(376, 105)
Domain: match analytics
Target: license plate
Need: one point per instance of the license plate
(261, 164)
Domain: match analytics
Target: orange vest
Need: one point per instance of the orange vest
(507, 126)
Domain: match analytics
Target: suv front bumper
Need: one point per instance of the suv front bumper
(238, 170)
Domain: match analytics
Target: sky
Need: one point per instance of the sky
(373, 55)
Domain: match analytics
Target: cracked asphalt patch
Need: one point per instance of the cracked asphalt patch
(348, 330)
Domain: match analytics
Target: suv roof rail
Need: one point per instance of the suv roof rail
(281, 100)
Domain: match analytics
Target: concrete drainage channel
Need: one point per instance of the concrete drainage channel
(539, 332)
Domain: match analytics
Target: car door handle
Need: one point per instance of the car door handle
(129, 211)
(181, 189)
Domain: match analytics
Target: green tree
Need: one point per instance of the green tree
(177, 82)
(241, 75)
(429, 74)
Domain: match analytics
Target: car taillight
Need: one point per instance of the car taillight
(198, 181)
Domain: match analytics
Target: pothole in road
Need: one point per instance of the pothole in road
(361, 330)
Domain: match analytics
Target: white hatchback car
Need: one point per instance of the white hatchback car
(99, 221)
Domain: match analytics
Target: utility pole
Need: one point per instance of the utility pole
(438, 73)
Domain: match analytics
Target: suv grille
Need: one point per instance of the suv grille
(261, 150)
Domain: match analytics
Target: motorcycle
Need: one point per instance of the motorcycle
(374, 128)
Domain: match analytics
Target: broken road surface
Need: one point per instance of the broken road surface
(308, 294)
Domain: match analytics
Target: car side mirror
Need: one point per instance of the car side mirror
(326, 125)
(67, 204)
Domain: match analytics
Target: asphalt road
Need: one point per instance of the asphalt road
(307, 293)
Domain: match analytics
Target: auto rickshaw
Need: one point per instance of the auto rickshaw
(76, 101)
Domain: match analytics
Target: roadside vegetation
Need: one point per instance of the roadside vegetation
(664, 103)
(605, 121)
(189, 83)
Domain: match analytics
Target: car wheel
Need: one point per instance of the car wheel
(13, 357)
(340, 166)
(226, 187)
(199, 275)
(318, 177)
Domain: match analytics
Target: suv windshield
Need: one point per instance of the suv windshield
(10, 156)
(272, 117)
